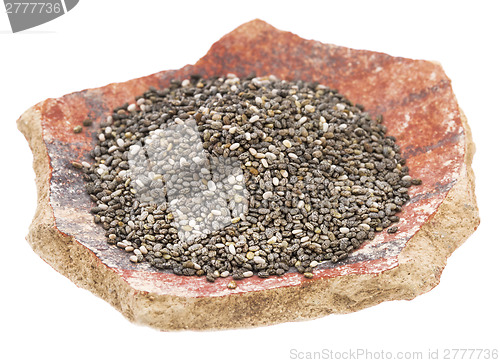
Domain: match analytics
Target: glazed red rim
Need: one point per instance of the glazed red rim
(414, 96)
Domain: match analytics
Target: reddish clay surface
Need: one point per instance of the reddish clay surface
(414, 96)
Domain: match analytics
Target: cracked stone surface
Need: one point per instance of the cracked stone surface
(420, 110)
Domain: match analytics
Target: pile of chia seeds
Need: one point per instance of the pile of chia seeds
(239, 177)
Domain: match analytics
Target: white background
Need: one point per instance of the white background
(46, 318)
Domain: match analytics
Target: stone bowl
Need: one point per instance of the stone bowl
(419, 108)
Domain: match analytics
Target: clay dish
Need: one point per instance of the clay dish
(419, 108)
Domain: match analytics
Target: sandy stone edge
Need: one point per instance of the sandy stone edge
(420, 265)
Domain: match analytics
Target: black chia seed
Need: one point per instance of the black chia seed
(227, 177)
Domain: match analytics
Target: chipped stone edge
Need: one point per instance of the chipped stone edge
(420, 264)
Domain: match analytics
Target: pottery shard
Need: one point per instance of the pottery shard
(419, 108)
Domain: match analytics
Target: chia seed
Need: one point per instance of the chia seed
(238, 177)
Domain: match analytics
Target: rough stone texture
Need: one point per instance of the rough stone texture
(419, 108)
